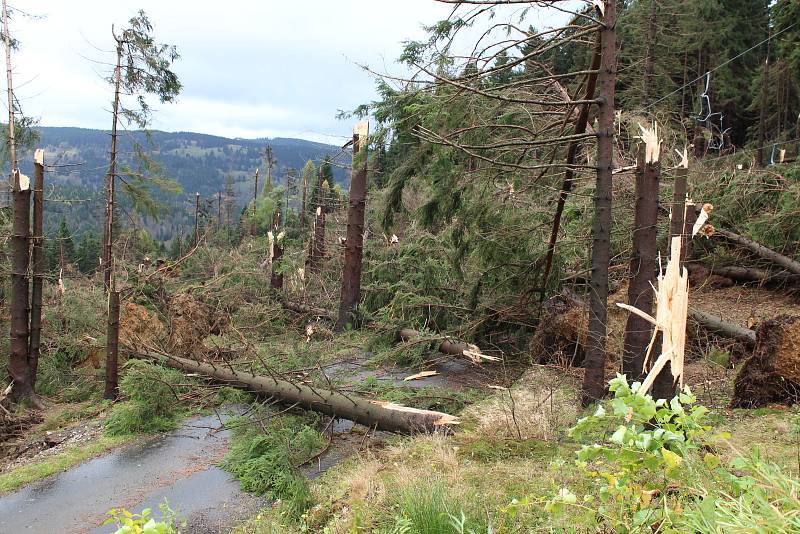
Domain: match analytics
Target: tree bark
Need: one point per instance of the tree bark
(310, 310)
(569, 172)
(593, 380)
(715, 324)
(370, 413)
(354, 246)
(38, 266)
(112, 347)
(276, 277)
(762, 115)
(638, 331)
(690, 217)
(678, 203)
(196, 218)
(108, 237)
(253, 225)
(650, 57)
(448, 346)
(757, 248)
(19, 368)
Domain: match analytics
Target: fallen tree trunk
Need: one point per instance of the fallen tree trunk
(746, 274)
(757, 248)
(772, 373)
(371, 413)
(448, 346)
(310, 310)
(716, 325)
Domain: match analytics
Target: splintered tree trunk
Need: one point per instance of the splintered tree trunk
(19, 365)
(38, 265)
(370, 413)
(276, 277)
(593, 380)
(690, 217)
(569, 172)
(112, 347)
(317, 249)
(638, 331)
(108, 233)
(354, 246)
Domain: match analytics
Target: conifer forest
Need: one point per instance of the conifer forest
(547, 279)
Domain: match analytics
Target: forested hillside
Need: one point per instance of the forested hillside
(199, 163)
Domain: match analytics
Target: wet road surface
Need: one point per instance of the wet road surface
(179, 466)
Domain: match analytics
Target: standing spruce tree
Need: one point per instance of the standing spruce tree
(143, 68)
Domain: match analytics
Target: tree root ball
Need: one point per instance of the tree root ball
(772, 374)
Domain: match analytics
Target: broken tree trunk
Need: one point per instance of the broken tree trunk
(112, 346)
(310, 310)
(448, 346)
(593, 379)
(19, 368)
(276, 253)
(370, 413)
(643, 264)
(745, 274)
(37, 260)
(772, 373)
(354, 244)
(757, 248)
(715, 324)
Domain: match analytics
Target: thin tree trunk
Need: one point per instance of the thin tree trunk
(569, 173)
(354, 245)
(757, 248)
(650, 57)
(12, 144)
(370, 413)
(196, 218)
(594, 366)
(690, 217)
(38, 265)
(108, 237)
(762, 115)
(638, 331)
(678, 203)
(112, 346)
(276, 277)
(219, 209)
(255, 201)
(304, 212)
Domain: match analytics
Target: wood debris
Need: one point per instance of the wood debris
(420, 375)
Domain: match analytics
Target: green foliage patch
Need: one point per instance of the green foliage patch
(264, 458)
(153, 404)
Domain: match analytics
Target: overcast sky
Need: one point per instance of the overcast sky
(249, 68)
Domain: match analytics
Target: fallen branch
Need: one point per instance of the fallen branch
(718, 326)
(740, 273)
(447, 346)
(308, 310)
(757, 248)
(370, 413)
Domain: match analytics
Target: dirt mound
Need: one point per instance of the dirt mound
(191, 321)
(772, 373)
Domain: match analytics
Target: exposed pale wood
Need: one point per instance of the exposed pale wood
(452, 347)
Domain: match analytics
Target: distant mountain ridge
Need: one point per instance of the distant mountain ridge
(200, 163)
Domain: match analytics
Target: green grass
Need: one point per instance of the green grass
(69, 457)
(432, 510)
